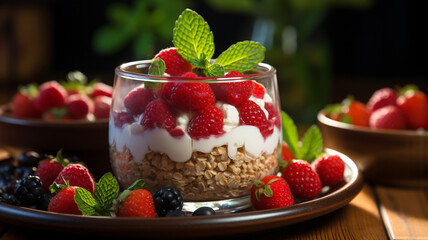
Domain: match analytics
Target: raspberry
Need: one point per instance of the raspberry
(302, 179)
(189, 75)
(167, 200)
(137, 99)
(23, 106)
(165, 90)
(258, 90)
(381, 98)
(192, 96)
(159, 114)
(121, 118)
(330, 169)
(101, 89)
(175, 64)
(51, 94)
(251, 114)
(234, 93)
(209, 121)
(102, 106)
(76, 175)
(79, 105)
(139, 203)
(273, 114)
(389, 117)
(63, 202)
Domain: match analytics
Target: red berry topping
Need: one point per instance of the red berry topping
(234, 93)
(122, 117)
(79, 105)
(23, 106)
(251, 114)
(51, 94)
(271, 192)
(76, 175)
(258, 90)
(139, 203)
(414, 106)
(302, 179)
(175, 64)
(137, 99)
(159, 114)
(273, 114)
(381, 98)
(192, 96)
(101, 89)
(330, 169)
(63, 202)
(47, 171)
(102, 106)
(389, 117)
(209, 121)
(190, 75)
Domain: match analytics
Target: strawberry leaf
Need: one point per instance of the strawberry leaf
(85, 202)
(289, 134)
(312, 144)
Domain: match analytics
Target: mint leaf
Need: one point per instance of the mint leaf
(214, 70)
(193, 39)
(106, 190)
(157, 68)
(290, 135)
(312, 144)
(242, 56)
(85, 202)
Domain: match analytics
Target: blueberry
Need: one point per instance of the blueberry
(204, 211)
(176, 213)
(29, 159)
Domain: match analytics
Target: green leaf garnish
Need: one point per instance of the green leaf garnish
(157, 68)
(312, 144)
(106, 190)
(136, 185)
(193, 39)
(289, 134)
(85, 202)
(242, 56)
(214, 70)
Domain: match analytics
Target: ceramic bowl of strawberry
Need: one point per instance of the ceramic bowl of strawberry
(51, 116)
(387, 137)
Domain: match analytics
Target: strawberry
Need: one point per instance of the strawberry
(357, 113)
(414, 105)
(209, 121)
(164, 90)
(189, 75)
(193, 96)
(55, 114)
(304, 182)
(330, 169)
(271, 192)
(286, 154)
(102, 106)
(159, 114)
(51, 94)
(258, 90)
(251, 114)
(234, 93)
(101, 89)
(121, 118)
(388, 117)
(63, 202)
(76, 175)
(47, 171)
(79, 106)
(139, 203)
(23, 106)
(273, 113)
(381, 98)
(137, 99)
(175, 64)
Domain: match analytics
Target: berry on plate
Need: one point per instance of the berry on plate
(381, 98)
(209, 121)
(389, 117)
(330, 169)
(23, 106)
(48, 170)
(51, 94)
(63, 202)
(271, 192)
(79, 106)
(76, 175)
(175, 64)
(167, 200)
(139, 203)
(304, 182)
(414, 106)
(204, 211)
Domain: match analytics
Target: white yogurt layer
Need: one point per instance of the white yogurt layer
(179, 149)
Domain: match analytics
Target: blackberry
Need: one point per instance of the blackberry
(29, 191)
(176, 213)
(167, 200)
(29, 159)
(204, 211)
(9, 199)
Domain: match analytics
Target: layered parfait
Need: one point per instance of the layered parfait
(208, 127)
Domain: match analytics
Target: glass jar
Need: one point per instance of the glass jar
(210, 138)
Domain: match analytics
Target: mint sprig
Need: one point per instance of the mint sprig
(158, 67)
(311, 144)
(242, 56)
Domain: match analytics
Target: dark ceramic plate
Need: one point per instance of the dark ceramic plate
(88, 140)
(184, 227)
(390, 157)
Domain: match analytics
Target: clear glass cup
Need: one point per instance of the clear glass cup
(154, 134)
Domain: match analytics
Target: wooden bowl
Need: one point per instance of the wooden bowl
(87, 140)
(389, 157)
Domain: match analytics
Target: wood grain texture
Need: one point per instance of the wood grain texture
(405, 212)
